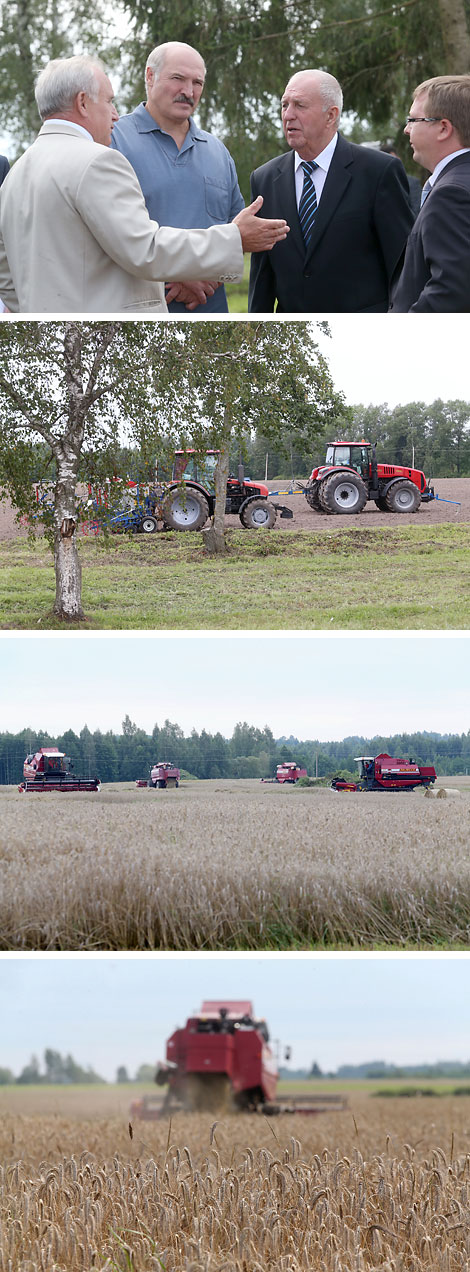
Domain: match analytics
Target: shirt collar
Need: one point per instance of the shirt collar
(323, 160)
(146, 123)
(443, 163)
(69, 124)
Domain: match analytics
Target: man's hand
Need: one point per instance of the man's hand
(259, 235)
(190, 294)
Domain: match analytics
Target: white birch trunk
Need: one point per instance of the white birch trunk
(68, 570)
(455, 36)
(214, 539)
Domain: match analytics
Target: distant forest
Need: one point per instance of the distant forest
(250, 752)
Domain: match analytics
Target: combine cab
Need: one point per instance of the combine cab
(50, 770)
(162, 775)
(351, 476)
(384, 773)
(222, 1061)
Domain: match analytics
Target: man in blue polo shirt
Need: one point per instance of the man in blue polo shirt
(187, 176)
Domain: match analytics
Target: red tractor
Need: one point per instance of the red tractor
(384, 773)
(188, 507)
(351, 476)
(50, 770)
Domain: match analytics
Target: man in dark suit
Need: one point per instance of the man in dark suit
(433, 275)
(349, 212)
(4, 167)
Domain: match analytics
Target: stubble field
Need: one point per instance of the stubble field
(383, 1185)
(234, 865)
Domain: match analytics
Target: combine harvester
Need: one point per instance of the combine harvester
(221, 1061)
(385, 773)
(162, 775)
(50, 770)
(288, 772)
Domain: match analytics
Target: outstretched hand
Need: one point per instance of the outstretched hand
(258, 234)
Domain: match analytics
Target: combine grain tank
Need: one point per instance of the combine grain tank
(385, 773)
(50, 770)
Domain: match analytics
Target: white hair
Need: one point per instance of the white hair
(156, 58)
(329, 89)
(60, 81)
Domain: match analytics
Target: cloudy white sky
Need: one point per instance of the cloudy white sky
(109, 1010)
(396, 358)
(326, 687)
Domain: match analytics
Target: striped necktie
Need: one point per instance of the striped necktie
(427, 187)
(308, 201)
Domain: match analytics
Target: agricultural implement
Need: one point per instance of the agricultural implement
(50, 770)
(289, 772)
(162, 775)
(351, 476)
(385, 773)
(221, 1061)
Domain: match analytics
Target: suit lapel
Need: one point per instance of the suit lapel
(284, 184)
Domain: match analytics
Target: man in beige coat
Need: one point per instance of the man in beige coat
(75, 235)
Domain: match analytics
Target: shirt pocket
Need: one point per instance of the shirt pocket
(216, 200)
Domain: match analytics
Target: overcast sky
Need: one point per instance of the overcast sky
(110, 1010)
(396, 359)
(326, 687)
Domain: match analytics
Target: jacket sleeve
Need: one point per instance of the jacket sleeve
(393, 217)
(111, 204)
(444, 227)
(262, 286)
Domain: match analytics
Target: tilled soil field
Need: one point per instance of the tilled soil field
(304, 518)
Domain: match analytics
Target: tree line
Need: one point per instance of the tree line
(251, 47)
(250, 752)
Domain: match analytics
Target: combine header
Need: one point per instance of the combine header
(384, 773)
(50, 770)
(221, 1061)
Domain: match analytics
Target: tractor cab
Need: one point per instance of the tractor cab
(187, 467)
(355, 455)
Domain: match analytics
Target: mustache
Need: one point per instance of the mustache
(183, 98)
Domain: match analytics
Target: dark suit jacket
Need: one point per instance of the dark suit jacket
(360, 231)
(4, 168)
(433, 275)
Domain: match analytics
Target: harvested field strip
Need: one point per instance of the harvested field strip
(115, 872)
(343, 578)
(242, 1195)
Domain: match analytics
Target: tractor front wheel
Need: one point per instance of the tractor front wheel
(185, 510)
(343, 493)
(257, 514)
(403, 496)
(312, 497)
(148, 525)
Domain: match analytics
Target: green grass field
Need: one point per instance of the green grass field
(406, 578)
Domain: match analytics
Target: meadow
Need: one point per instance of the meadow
(339, 576)
(373, 1187)
(229, 865)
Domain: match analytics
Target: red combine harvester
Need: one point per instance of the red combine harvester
(162, 774)
(351, 476)
(50, 770)
(221, 1060)
(385, 773)
(287, 772)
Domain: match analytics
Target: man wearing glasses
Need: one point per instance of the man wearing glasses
(434, 273)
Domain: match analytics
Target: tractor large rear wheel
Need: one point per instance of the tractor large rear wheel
(403, 496)
(343, 493)
(258, 514)
(185, 510)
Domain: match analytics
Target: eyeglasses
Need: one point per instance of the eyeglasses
(421, 119)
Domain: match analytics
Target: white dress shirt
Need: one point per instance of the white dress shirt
(319, 175)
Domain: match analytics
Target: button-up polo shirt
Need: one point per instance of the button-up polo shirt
(191, 188)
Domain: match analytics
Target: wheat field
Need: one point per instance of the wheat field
(384, 1185)
(233, 865)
